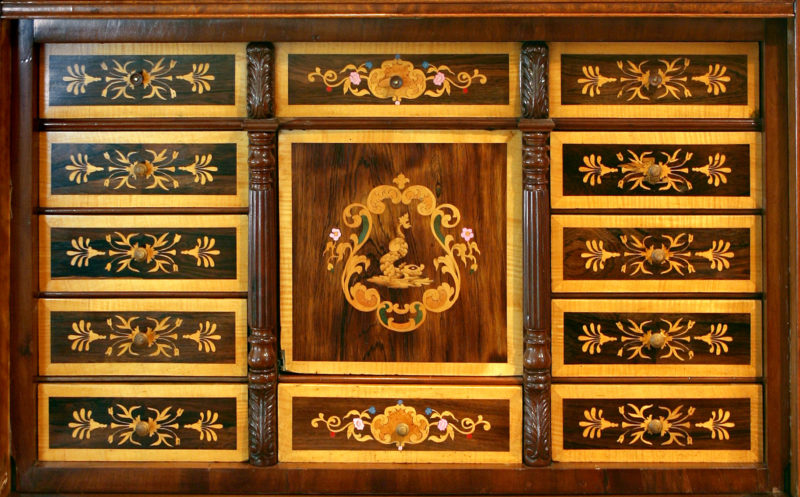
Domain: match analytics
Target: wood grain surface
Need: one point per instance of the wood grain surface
(475, 172)
(5, 257)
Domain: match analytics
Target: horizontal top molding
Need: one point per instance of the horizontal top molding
(388, 8)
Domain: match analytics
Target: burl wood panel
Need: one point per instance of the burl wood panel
(143, 253)
(647, 338)
(143, 80)
(326, 326)
(397, 79)
(656, 170)
(123, 422)
(656, 253)
(359, 423)
(654, 80)
(657, 423)
(143, 169)
(198, 337)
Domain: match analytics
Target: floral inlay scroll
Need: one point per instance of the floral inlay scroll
(400, 425)
(395, 273)
(396, 79)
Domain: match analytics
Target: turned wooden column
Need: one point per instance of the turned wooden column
(262, 303)
(536, 442)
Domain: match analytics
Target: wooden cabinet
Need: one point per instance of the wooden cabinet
(476, 247)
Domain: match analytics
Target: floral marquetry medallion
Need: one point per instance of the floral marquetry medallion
(414, 235)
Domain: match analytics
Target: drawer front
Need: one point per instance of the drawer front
(198, 337)
(657, 423)
(144, 80)
(143, 253)
(654, 80)
(397, 79)
(656, 170)
(399, 423)
(400, 274)
(656, 338)
(656, 253)
(124, 422)
(144, 169)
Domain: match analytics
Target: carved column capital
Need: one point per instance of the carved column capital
(534, 91)
(260, 85)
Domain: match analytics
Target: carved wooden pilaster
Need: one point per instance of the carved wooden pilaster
(262, 305)
(260, 89)
(536, 298)
(535, 101)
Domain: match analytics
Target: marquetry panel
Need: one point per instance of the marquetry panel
(657, 253)
(399, 423)
(143, 80)
(648, 80)
(136, 422)
(397, 79)
(143, 169)
(173, 337)
(143, 253)
(402, 254)
(657, 423)
(656, 338)
(656, 170)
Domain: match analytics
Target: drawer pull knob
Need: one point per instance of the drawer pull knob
(658, 256)
(396, 82)
(653, 174)
(402, 429)
(139, 169)
(142, 428)
(655, 80)
(654, 427)
(136, 79)
(139, 254)
(657, 341)
(139, 339)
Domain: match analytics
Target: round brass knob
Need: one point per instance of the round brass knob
(658, 256)
(139, 169)
(657, 340)
(653, 174)
(654, 427)
(142, 428)
(136, 79)
(139, 339)
(139, 254)
(396, 82)
(655, 80)
(402, 429)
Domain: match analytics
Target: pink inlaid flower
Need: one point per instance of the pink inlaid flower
(336, 233)
(438, 79)
(442, 424)
(358, 423)
(355, 78)
(466, 234)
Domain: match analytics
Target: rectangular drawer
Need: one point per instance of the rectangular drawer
(657, 423)
(168, 337)
(133, 422)
(143, 253)
(399, 423)
(654, 80)
(143, 80)
(656, 338)
(397, 79)
(657, 253)
(144, 169)
(400, 276)
(655, 170)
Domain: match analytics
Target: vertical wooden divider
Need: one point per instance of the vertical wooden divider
(536, 127)
(262, 303)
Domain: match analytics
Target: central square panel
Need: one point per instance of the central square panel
(400, 252)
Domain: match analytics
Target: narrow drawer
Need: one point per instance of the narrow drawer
(655, 170)
(656, 338)
(124, 422)
(397, 79)
(399, 423)
(657, 253)
(168, 337)
(143, 80)
(657, 423)
(144, 169)
(654, 80)
(143, 253)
